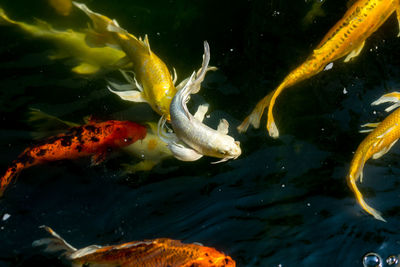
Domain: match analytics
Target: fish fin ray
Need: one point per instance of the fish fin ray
(132, 95)
(355, 52)
(147, 44)
(383, 151)
(183, 152)
(98, 158)
(55, 243)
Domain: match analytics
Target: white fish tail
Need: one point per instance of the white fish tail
(54, 244)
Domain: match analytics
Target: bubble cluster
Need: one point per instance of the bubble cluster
(391, 260)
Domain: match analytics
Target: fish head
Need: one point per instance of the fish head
(212, 257)
(126, 132)
(228, 148)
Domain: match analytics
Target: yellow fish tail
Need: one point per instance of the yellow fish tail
(352, 183)
(4, 19)
(255, 116)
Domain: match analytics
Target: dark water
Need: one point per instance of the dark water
(284, 202)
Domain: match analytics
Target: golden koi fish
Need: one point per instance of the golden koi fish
(382, 137)
(151, 82)
(160, 252)
(70, 44)
(346, 38)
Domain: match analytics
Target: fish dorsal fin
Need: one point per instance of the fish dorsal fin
(201, 112)
(85, 251)
(355, 52)
(223, 126)
(147, 44)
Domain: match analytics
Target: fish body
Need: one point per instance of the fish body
(382, 137)
(70, 43)
(346, 38)
(62, 7)
(153, 82)
(94, 139)
(198, 139)
(161, 252)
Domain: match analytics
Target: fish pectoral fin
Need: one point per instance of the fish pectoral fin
(370, 125)
(86, 68)
(355, 52)
(174, 76)
(132, 95)
(122, 87)
(201, 112)
(383, 151)
(223, 126)
(98, 158)
(393, 97)
(183, 152)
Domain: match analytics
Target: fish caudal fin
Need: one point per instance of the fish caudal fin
(377, 215)
(54, 244)
(393, 97)
(255, 116)
(11, 173)
(4, 19)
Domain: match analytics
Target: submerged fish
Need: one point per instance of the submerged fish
(191, 138)
(161, 252)
(382, 137)
(150, 151)
(70, 44)
(62, 7)
(315, 11)
(151, 81)
(346, 38)
(93, 139)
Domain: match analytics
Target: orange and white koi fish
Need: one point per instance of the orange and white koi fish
(62, 7)
(71, 44)
(93, 139)
(382, 137)
(160, 252)
(346, 38)
(151, 81)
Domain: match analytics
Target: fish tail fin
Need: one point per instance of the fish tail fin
(4, 19)
(54, 243)
(356, 173)
(10, 175)
(352, 183)
(255, 116)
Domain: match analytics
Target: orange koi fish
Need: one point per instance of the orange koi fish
(346, 38)
(382, 137)
(93, 139)
(161, 252)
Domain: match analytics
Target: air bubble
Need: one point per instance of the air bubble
(392, 260)
(372, 260)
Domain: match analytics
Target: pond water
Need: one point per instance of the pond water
(283, 202)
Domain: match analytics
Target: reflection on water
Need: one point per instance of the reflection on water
(284, 202)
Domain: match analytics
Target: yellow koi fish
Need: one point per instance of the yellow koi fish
(151, 81)
(70, 44)
(382, 137)
(346, 38)
(62, 7)
(150, 151)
